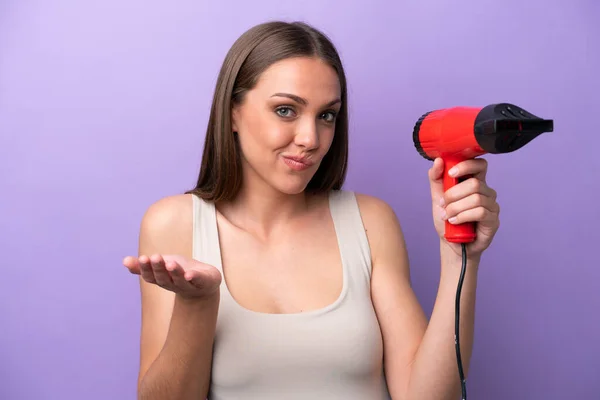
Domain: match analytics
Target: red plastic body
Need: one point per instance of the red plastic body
(450, 134)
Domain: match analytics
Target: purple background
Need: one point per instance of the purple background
(103, 107)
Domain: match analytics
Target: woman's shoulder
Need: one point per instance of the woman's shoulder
(169, 210)
(168, 220)
(374, 209)
(380, 222)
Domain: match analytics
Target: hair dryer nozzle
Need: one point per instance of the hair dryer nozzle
(524, 126)
(503, 128)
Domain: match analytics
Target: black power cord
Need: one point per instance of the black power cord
(461, 373)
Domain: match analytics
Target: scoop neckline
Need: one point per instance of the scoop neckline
(311, 313)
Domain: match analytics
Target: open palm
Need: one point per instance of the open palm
(184, 276)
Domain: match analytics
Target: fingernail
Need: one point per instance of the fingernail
(453, 171)
(442, 202)
(452, 220)
(443, 214)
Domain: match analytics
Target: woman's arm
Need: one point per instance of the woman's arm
(181, 368)
(435, 370)
(420, 357)
(177, 332)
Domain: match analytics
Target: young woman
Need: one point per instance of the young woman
(267, 280)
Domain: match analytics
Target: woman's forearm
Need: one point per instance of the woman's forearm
(435, 370)
(182, 369)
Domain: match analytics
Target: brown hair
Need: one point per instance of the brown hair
(220, 174)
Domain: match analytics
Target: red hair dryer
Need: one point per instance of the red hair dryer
(460, 133)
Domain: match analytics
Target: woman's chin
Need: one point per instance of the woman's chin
(292, 186)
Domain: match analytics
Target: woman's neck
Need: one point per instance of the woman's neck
(264, 211)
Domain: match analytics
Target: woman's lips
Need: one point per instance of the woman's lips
(297, 163)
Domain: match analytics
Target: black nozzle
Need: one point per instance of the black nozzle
(503, 128)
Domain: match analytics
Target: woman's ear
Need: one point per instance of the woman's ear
(235, 112)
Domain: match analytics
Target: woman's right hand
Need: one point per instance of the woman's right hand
(186, 277)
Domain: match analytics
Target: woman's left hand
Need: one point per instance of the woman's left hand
(471, 200)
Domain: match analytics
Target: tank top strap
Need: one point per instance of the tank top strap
(352, 238)
(205, 242)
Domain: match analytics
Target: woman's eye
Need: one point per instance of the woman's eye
(284, 112)
(328, 116)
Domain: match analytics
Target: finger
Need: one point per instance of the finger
(177, 274)
(193, 277)
(478, 214)
(132, 265)
(473, 201)
(146, 269)
(162, 276)
(436, 170)
(436, 181)
(476, 167)
(196, 277)
(467, 188)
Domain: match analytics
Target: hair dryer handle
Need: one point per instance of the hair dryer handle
(456, 233)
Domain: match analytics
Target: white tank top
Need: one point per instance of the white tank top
(335, 352)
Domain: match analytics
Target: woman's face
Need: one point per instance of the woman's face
(286, 123)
